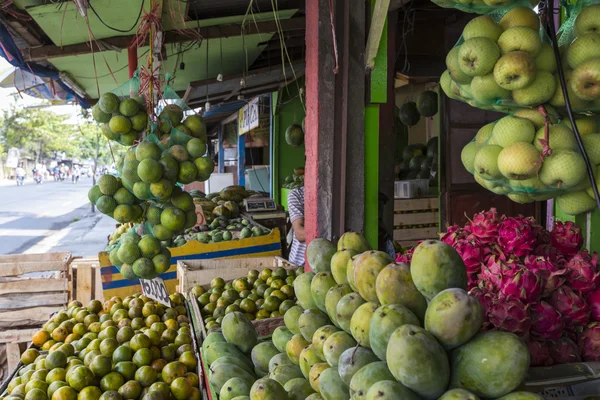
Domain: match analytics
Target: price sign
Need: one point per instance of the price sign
(248, 117)
(201, 220)
(156, 290)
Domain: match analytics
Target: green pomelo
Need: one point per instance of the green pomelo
(197, 127)
(147, 150)
(108, 184)
(490, 365)
(173, 219)
(205, 167)
(162, 189)
(139, 121)
(99, 115)
(436, 266)
(94, 194)
(108, 103)
(187, 172)
(141, 190)
(384, 322)
(196, 147)
(394, 285)
(366, 268)
(129, 171)
(120, 125)
(129, 107)
(149, 170)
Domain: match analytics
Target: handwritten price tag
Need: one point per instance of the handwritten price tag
(201, 220)
(156, 290)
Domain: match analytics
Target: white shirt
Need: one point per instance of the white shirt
(296, 211)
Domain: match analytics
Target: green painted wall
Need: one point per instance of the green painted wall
(289, 110)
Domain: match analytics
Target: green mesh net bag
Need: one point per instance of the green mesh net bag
(113, 199)
(531, 156)
(579, 44)
(504, 62)
(484, 6)
(121, 113)
(139, 254)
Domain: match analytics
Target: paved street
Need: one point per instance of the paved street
(33, 213)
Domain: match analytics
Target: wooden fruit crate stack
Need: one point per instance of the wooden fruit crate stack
(32, 287)
(415, 220)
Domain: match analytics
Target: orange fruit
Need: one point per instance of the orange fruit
(172, 371)
(65, 393)
(131, 390)
(181, 388)
(29, 356)
(89, 393)
(40, 337)
(112, 381)
(60, 334)
(145, 375)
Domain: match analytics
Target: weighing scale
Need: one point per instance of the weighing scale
(262, 204)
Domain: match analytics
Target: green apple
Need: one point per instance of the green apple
(585, 125)
(514, 70)
(590, 191)
(533, 115)
(519, 161)
(585, 80)
(528, 185)
(563, 169)
(467, 156)
(558, 100)
(545, 59)
(583, 48)
(453, 67)
(559, 138)
(486, 162)
(445, 84)
(591, 143)
(575, 203)
(510, 129)
(497, 186)
(496, 3)
(520, 38)
(588, 20)
(482, 26)
(477, 56)
(485, 90)
(538, 92)
(520, 16)
(483, 134)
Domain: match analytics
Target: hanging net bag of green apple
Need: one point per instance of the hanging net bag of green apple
(483, 6)
(503, 62)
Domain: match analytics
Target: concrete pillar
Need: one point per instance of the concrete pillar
(334, 178)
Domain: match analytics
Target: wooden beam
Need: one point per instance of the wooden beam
(17, 335)
(211, 32)
(377, 24)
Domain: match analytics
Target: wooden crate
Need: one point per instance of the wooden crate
(27, 299)
(87, 280)
(13, 343)
(201, 272)
(415, 220)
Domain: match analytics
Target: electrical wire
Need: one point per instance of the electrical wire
(550, 28)
(117, 29)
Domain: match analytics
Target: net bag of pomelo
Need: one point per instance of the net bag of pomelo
(112, 198)
(139, 254)
(186, 135)
(579, 46)
(166, 220)
(121, 114)
(483, 6)
(503, 62)
(531, 156)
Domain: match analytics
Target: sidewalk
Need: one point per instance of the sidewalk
(85, 237)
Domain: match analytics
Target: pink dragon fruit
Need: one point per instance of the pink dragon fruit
(566, 238)
(589, 342)
(552, 277)
(484, 226)
(516, 236)
(546, 322)
(593, 301)
(510, 314)
(540, 354)
(454, 233)
(524, 284)
(564, 351)
(484, 297)
(472, 254)
(573, 307)
(493, 273)
(548, 250)
(583, 275)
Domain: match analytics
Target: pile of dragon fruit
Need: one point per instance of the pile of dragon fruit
(537, 284)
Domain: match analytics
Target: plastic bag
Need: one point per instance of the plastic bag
(483, 6)
(122, 113)
(504, 62)
(530, 158)
(139, 254)
(579, 43)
